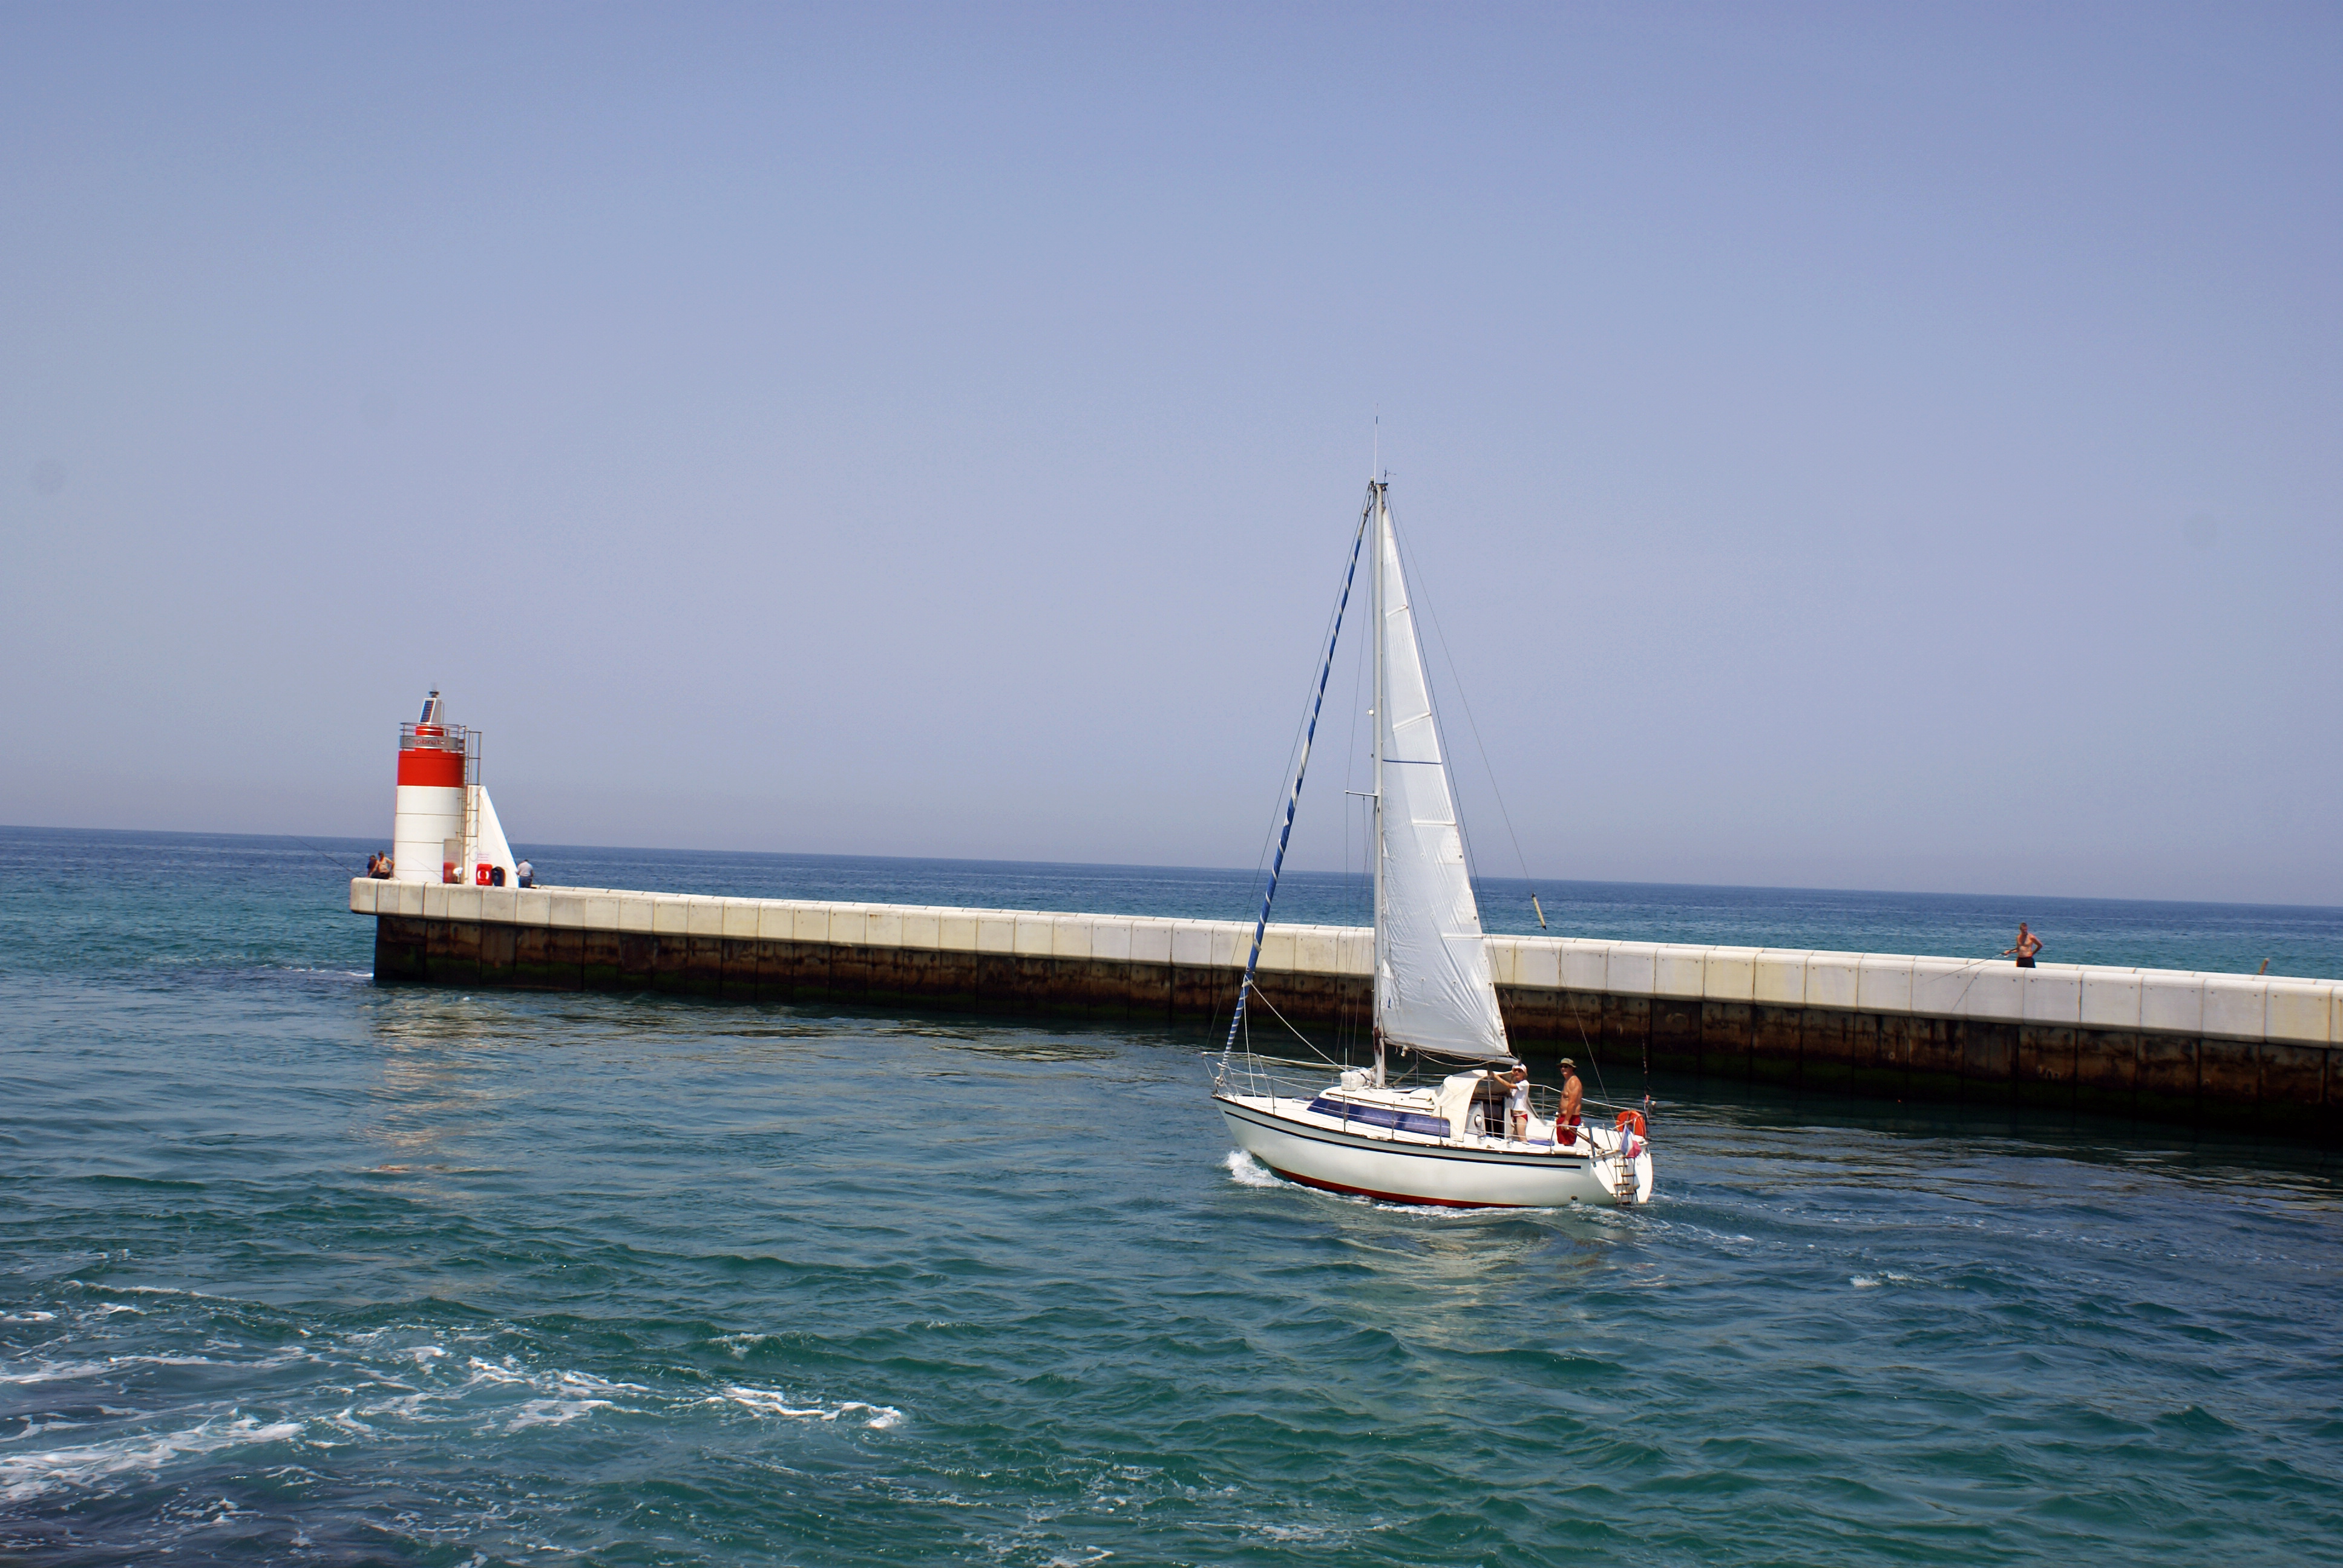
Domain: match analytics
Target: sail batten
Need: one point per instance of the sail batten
(1433, 989)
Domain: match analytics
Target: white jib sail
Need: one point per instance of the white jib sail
(1433, 985)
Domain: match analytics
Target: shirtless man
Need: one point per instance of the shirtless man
(1565, 1120)
(2028, 944)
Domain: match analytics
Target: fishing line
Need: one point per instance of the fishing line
(322, 854)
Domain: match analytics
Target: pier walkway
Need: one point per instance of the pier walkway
(2255, 1052)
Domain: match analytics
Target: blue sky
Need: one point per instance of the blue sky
(1874, 447)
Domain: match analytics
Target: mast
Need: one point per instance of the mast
(1376, 992)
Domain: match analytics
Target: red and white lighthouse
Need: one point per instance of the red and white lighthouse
(445, 829)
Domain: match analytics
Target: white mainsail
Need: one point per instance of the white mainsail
(1433, 985)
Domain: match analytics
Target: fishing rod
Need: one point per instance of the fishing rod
(322, 854)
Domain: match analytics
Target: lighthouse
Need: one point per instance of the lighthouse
(445, 829)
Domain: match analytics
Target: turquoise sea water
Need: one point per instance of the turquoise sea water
(294, 1268)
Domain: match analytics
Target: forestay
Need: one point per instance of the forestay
(1433, 985)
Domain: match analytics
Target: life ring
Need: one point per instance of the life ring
(1634, 1118)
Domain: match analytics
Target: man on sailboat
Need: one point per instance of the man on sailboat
(1565, 1120)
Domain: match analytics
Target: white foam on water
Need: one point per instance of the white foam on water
(25, 1476)
(64, 1372)
(1248, 1171)
(1873, 1282)
(560, 1396)
(1448, 1211)
(742, 1343)
(147, 1290)
(27, 1317)
(553, 1411)
(773, 1401)
(56, 1371)
(107, 1309)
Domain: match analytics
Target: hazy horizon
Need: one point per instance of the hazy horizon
(361, 843)
(1841, 447)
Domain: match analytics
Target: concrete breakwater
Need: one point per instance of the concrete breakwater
(2263, 1053)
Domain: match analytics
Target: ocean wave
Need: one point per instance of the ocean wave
(25, 1476)
(742, 1343)
(493, 1371)
(68, 1371)
(103, 1288)
(773, 1401)
(561, 1396)
(1873, 1282)
(553, 1412)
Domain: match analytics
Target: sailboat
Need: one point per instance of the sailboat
(1428, 1122)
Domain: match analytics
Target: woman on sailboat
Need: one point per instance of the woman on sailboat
(1517, 1103)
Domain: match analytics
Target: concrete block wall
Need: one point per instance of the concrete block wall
(2243, 1050)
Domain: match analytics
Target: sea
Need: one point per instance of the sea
(296, 1268)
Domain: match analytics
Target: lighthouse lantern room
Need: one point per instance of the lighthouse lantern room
(445, 829)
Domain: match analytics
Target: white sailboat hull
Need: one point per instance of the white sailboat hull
(1457, 1173)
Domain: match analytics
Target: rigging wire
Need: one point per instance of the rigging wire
(1345, 1027)
(1300, 765)
(1300, 728)
(1419, 590)
(1299, 748)
(1289, 1029)
(1439, 725)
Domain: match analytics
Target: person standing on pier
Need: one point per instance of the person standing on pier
(2028, 944)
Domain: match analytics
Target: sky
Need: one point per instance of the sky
(1868, 447)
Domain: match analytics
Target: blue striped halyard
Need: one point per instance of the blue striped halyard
(1285, 833)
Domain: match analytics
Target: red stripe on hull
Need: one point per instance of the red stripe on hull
(1384, 1197)
(432, 769)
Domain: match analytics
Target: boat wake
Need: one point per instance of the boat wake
(1247, 1171)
